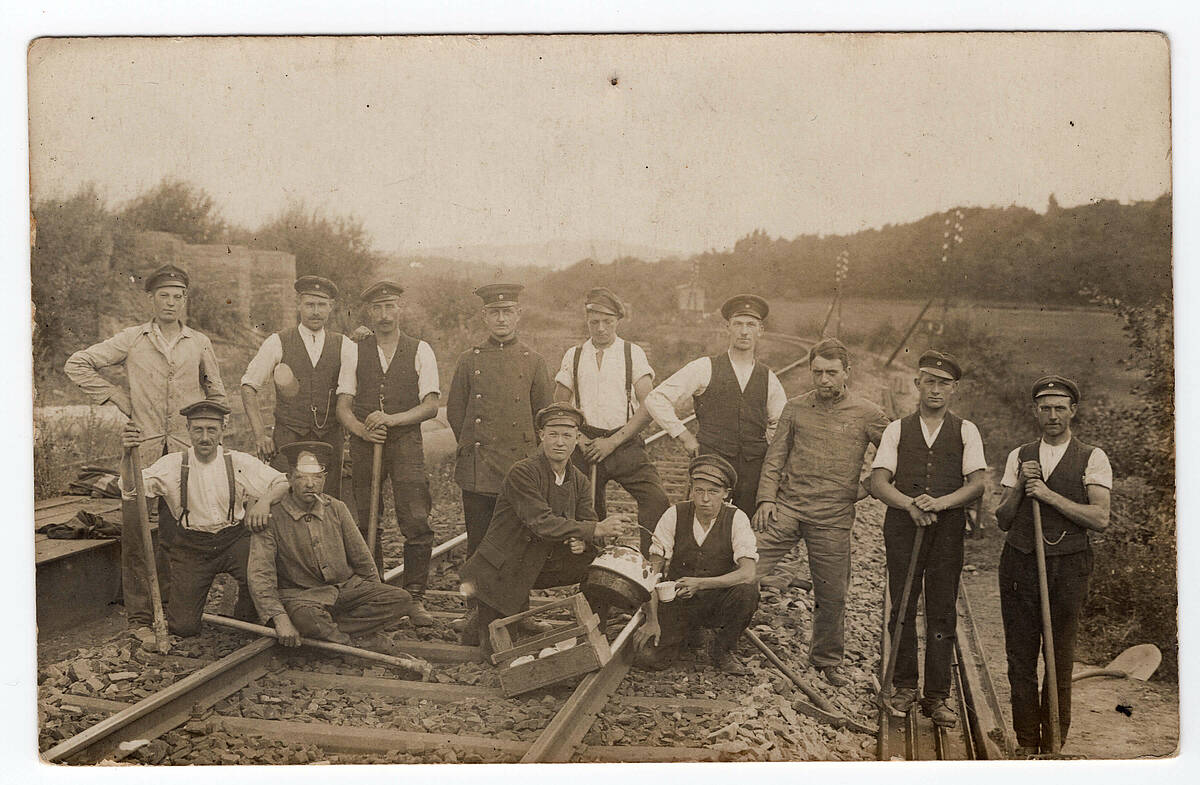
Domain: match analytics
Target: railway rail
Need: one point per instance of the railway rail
(400, 716)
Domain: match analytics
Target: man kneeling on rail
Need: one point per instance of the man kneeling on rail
(545, 502)
(206, 494)
(311, 573)
(711, 563)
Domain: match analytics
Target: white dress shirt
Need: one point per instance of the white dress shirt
(602, 384)
(693, 379)
(270, 354)
(745, 546)
(1097, 472)
(425, 365)
(972, 461)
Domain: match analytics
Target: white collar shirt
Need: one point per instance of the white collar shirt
(602, 384)
(314, 343)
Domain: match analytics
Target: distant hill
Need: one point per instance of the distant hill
(554, 253)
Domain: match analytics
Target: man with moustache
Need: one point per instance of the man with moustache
(1072, 482)
(304, 362)
(211, 499)
(810, 483)
(928, 468)
(608, 379)
(167, 365)
(737, 399)
(386, 389)
(310, 571)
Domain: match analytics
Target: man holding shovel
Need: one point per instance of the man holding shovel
(928, 467)
(1060, 486)
(386, 389)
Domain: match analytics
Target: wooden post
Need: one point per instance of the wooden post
(909, 333)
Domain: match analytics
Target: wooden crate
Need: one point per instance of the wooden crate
(589, 654)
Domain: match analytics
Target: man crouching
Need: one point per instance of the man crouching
(711, 563)
(310, 571)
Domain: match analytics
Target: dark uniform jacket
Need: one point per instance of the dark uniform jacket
(533, 518)
(496, 390)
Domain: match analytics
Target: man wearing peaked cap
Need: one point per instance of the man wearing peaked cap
(210, 498)
(1071, 482)
(310, 571)
(499, 295)
(608, 378)
(919, 472)
(712, 564)
(737, 399)
(558, 414)
(303, 364)
(166, 364)
(388, 385)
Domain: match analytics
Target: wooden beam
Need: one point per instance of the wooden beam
(364, 740)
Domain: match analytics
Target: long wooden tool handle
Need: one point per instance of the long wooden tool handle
(373, 515)
(412, 665)
(902, 611)
(1039, 549)
(160, 619)
(817, 698)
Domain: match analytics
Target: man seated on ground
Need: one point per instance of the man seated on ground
(209, 492)
(311, 573)
(712, 562)
(544, 503)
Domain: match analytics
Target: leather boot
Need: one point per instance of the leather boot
(417, 615)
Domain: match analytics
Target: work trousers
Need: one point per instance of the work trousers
(196, 559)
(404, 465)
(1067, 579)
(361, 607)
(135, 586)
(478, 509)
(631, 468)
(828, 563)
(725, 611)
(563, 568)
(284, 435)
(939, 565)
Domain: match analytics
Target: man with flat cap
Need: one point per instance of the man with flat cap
(386, 389)
(498, 386)
(544, 503)
(303, 363)
(167, 365)
(310, 572)
(711, 562)
(929, 467)
(737, 399)
(1071, 482)
(608, 378)
(211, 499)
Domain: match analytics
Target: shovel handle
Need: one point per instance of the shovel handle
(373, 515)
(160, 619)
(1039, 548)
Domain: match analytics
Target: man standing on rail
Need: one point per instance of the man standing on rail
(544, 503)
(168, 365)
(386, 389)
(1072, 483)
(712, 564)
(810, 483)
(205, 508)
(929, 466)
(737, 399)
(310, 571)
(608, 379)
(304, 361)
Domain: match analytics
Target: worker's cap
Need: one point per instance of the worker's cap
(308, 457)
(498, 295)
(381, 290)
(167, 275)
(602, 300)
(940, 364)
(558, 414)
(713, 468)
(1056, 385)
(205, 410)
(316, 285)
(745, 305)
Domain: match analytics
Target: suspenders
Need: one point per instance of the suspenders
(628, 378)
(183, 488)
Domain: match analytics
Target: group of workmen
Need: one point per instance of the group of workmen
(534, 456)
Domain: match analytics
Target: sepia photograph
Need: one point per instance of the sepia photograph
(598, 398)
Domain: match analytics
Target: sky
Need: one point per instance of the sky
(443, 141)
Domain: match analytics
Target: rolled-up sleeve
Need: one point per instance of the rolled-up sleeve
(565, 368)
(82, 366)
(776, 400)
(427, 372)
(348, 375)
(210, 374)
(663, 542)
(261, 574)
(888, 454)
(258, 372)
(255, 476)
(973, 458)
(745, 544)
(776, 457)
(690, 380)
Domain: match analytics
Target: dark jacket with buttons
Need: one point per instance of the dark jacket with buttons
(533, 519)
(496, 390)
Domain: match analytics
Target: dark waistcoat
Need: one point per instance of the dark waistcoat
(714, 557)
(935, 470)
(312, 408)
(398, 386)
(733, 422)
(1059, 533)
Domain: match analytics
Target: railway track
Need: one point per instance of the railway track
(261, 693)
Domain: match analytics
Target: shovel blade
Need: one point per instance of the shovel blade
(1138, 662)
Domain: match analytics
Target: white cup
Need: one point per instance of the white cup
(665, 590)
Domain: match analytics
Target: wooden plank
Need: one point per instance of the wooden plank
(980, 698)
(632, 754)
(435, 651)
(365, 740)
(48, 550)
(166, 709)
